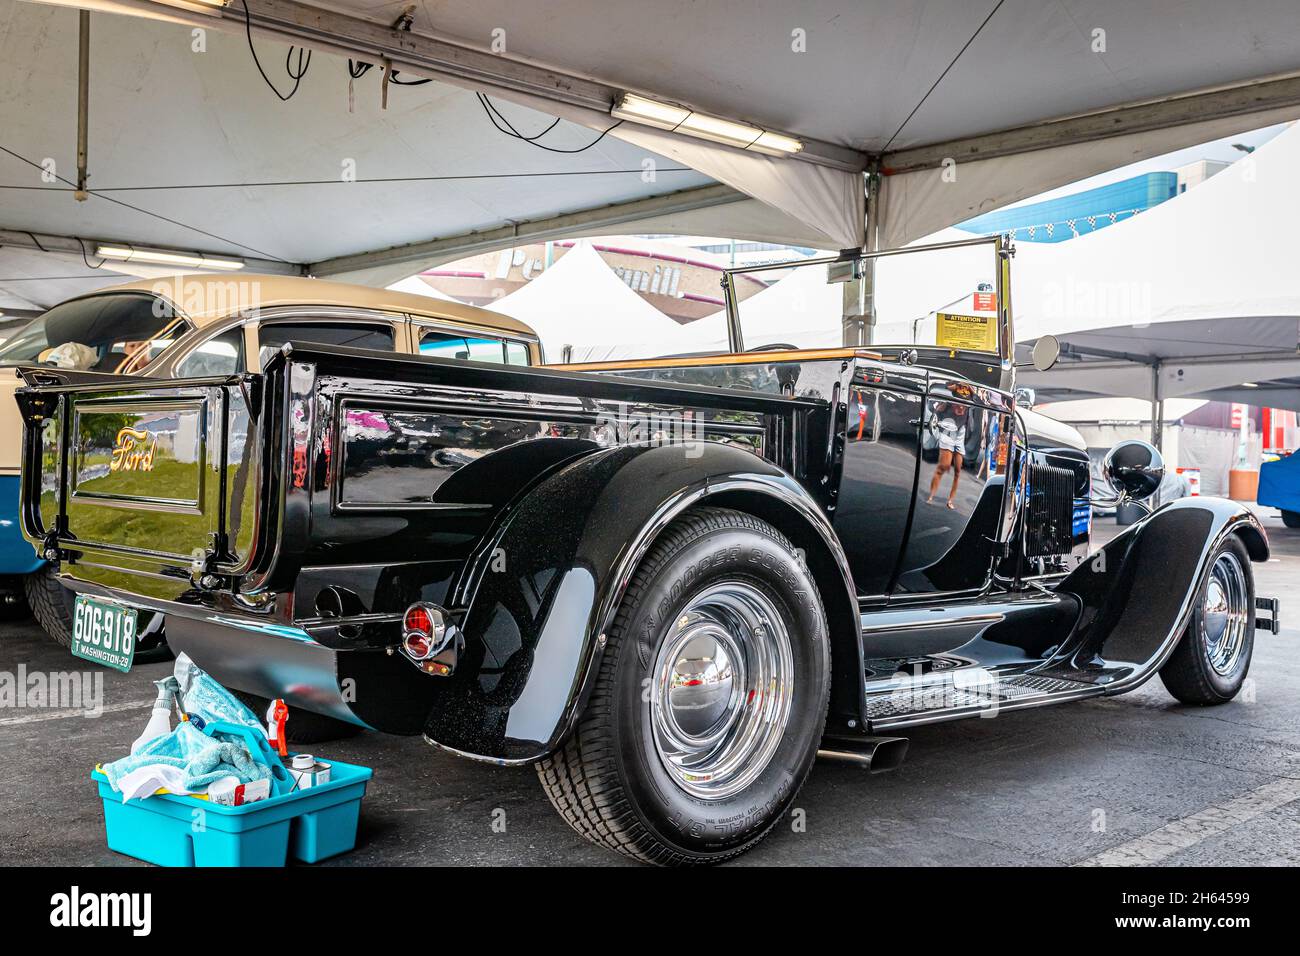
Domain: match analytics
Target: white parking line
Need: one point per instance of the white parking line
(75, 712)
(1191, 830)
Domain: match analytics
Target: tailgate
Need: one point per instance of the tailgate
(154, 477)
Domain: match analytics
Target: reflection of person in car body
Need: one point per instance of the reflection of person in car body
(133, 356)
(950, 419)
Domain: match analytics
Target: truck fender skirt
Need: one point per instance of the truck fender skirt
(1137, 593)
(543, 587)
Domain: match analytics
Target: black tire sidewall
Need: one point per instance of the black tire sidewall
(51, 604)
(692, 825)
(1225, 686)
(1290, 518)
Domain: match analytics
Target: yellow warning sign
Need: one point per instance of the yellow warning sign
(978, 333)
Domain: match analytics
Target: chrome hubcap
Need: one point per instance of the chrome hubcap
(723, 680)
(1224, 615)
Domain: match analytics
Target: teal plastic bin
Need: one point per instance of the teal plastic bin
(174, 830)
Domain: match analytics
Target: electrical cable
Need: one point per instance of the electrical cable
(83, 255)
(509, 130)
(294, 74)
(512, 131)
(145, 212)
(936, 83)
(542, 174)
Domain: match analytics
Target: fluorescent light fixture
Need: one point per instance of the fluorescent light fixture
(209, 7)
(1250, 385)
(151, 9)
(719, 130)
(161, 257)
(641, 109)
(776, 144)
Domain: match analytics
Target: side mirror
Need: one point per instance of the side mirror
(1025, 397)
(1134, 468)
(1047, 350)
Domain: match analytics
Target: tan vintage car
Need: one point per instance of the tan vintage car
(199, 325)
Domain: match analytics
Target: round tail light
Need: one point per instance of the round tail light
(424, 631)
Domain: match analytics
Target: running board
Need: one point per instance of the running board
(967, 693)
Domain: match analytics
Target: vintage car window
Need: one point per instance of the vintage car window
(119, 332)
(516, 353)
(357, 335)
(220, 355)
(472, 348)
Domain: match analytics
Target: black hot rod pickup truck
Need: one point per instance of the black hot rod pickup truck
(670, 583)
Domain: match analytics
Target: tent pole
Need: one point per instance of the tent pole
(83, 103)
(859, 313)
(735, 338)
(1157, 408)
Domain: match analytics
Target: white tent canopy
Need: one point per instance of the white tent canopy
(417, 286)
(579, 302)
(1061, 90)
(799, 309)
(1020, 95)
(215, 163)
(1194, 296)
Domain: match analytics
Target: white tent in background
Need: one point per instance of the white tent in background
(799, 309)
(579, 302)
(1191, 298)
(417, 286)
(804, 310)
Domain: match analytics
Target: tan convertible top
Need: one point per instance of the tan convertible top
(205, 298)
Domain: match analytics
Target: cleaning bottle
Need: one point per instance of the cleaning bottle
(160, 721)
(276, 715)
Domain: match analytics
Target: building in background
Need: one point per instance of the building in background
(1056, 220)
(679, 276)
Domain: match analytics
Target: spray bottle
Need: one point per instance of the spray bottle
(160, 721)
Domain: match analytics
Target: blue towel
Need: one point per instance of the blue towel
(204, 759)
(201, 695)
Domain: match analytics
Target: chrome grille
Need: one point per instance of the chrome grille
(1050, 513)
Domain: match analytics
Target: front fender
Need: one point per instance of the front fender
(543, 588)
(1137, 593)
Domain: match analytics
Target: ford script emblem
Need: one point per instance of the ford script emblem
(130, 452)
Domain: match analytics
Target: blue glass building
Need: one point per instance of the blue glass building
(1056, 220)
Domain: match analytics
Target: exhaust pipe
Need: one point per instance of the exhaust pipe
(873, 754)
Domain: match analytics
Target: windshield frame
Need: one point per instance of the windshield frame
(1000, 246)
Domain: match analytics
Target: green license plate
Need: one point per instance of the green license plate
(103, 632)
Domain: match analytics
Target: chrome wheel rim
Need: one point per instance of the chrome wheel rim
(723, 680)
(1224, 615)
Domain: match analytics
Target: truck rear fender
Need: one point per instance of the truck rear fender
(544, 586)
